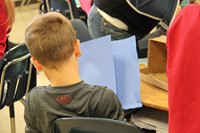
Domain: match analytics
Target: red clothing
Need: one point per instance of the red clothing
(86, 5)
(183, 71)
(3, 27)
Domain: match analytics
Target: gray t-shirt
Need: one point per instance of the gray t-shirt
(44, 104)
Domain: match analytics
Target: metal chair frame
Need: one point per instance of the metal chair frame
(4, 87)
(48, 6)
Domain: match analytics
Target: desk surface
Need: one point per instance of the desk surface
(153, 96)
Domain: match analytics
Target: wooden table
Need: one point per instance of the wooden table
(153, 96)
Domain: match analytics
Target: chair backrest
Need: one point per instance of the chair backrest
(66, 7)
(16, 75)
(81, 29)
(92, 125)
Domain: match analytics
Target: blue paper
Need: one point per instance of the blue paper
(115, 65)
(127, 72)
(96, 65)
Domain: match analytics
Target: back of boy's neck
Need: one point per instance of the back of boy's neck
(63, 77)
(64, 82)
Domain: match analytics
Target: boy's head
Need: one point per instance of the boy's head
(50, 39)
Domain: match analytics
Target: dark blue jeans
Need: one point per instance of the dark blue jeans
(99, 27)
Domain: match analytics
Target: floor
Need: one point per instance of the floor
(23, 16)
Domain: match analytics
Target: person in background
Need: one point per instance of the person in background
(124, 18)
(183, 70)
(7, 18)
(86, 5)
(54, 49)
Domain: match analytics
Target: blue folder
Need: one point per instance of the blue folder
(96, 65)
(113, 64)
(127, 72)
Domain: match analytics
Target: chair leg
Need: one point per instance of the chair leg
(23, 3)
(22, 101)
(12, 118)
(28, 2)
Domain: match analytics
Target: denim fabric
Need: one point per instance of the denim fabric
(99, 27)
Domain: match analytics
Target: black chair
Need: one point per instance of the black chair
(66, 7)
(17, 78)
(92, 125)
(81, 29)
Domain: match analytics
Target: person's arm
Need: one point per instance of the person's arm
(163, 11)
(3, 28)
(30, 118)
(3, 38)
(111, 106)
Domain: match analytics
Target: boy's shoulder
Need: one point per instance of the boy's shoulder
(100, 90)
(37, 91)
(95, 90)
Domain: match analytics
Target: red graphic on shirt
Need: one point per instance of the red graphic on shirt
(64, 99)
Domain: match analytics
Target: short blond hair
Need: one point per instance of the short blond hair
(50, 39)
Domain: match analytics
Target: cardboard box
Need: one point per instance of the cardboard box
(155, 72)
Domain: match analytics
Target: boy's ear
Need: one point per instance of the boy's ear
(77, 48)
(36, 64)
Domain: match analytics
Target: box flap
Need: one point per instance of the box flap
(157, 55)
(156, 79)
